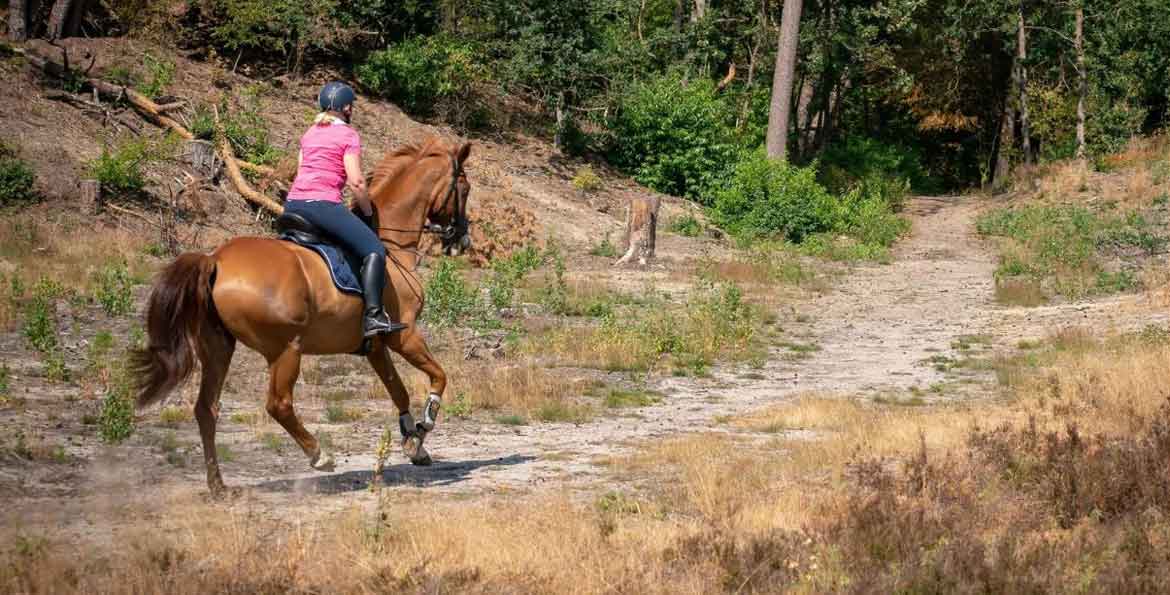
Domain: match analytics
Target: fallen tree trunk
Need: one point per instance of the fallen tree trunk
(237, 177)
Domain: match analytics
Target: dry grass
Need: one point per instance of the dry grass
(523, 389)
(68, 253)
(859, 496)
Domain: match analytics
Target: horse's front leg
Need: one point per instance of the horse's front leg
(411, 346)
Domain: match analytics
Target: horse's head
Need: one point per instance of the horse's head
(447, 214)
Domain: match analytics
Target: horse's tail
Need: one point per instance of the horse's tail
(180, 309)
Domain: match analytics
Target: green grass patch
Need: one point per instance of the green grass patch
(619, 398)
(1063, 248)
(511, 420)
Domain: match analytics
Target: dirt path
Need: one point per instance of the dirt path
(873, 334)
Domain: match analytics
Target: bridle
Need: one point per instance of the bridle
(459, 224)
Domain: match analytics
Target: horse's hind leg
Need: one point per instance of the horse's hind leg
(411, 346)
(412, 438)
(218, 348)
(283, 371)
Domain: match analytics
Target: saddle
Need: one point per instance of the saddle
(295, 228)
(343, 266)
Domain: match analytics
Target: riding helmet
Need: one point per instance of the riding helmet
(335, 96)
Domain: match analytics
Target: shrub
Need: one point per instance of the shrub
(554, 296)
(16, 179)
(449, 298)
(587, 180)
(116, 420)
(424, 74)
(766, 198)
(283, 27)
(202, 123)
(674, 138)
(247, 130)
(849, 162)
(509, 272)
(120, 171)
(159, 74)
(114, 287)
(687, 225)
(605, 248)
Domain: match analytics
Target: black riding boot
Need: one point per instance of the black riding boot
(375, 321)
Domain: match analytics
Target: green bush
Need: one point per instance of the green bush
(114, 289)
(587, 180)
(858, 159)
(247, 130)
(120, 171)
(605, 248)
(273, 26)
(687, 226)
(159, 75)
(508, 272)
(116, 420)
(16, 179)
(450, 300)
(768, 199)
(673, 137)
(422, 73)
(203, 122)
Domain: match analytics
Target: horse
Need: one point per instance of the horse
(278, 298)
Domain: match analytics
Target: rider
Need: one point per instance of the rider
(329, 160)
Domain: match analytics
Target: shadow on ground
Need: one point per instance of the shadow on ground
(442, 473)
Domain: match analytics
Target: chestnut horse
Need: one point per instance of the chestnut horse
(278, 298)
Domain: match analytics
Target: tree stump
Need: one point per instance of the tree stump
(91, 196)
(641, 229)
(203, 158)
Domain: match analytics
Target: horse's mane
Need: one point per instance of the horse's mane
(405, 156)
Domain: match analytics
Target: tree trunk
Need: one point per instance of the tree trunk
(1007, 138)
(1022, 85)
(777, 142)
(58, 18)
(700, 11)
(17, 20)
(1083, 79)
(641, 229)
(678, 16)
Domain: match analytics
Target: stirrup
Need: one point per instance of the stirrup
(374, 324)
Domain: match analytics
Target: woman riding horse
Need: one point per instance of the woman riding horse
(330, 159)
(278, 298)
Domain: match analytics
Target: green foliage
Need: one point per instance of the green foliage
(202, 122)
(247, 130)
(686, 225)
(862, 160)
(272, 26)
(120, 171)
(674, 137)
(40, 316)
(554, 295)
(116, 420)
(5, 382)
(114, 289)
(1063, 246)
(766, 198)
(587, 180)
(605, 248)
(16, 179)
(450, 300)
(507, 273)
(159, 75)
(618, 398)
(422, 72)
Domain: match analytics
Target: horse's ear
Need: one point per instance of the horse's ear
(464, 151)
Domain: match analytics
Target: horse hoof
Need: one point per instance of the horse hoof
(412, 447)
(323, 462)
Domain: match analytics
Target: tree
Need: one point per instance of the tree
(1022, 85)
(17, 20)
(777, 141)
(1083, 79)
